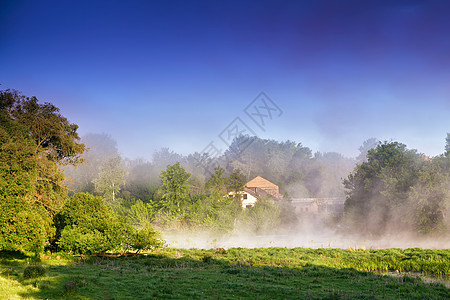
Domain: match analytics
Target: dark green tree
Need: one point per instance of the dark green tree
(235, 182)
(430, 197)
(217, 183)
(21, 223)
(378, 190)
(44, 141)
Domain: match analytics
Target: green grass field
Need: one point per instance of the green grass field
(271, 273)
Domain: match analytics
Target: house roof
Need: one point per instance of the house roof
(260, 182)
(256, 192)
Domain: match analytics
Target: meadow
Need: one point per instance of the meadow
(271, 273)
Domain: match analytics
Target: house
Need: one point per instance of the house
(265, 185)
(315, 206)
(257, 188)
(305, 206)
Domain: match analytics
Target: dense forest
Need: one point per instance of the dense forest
(62, 192)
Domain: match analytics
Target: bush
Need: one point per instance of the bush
(33, 272)
(144, 239)
(79, 240)
(90, 226)
(20, 229)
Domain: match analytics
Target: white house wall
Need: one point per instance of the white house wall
(250, 201)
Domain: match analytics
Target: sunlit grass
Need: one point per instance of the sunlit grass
(235, 273)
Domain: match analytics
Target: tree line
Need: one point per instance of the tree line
(58, 191)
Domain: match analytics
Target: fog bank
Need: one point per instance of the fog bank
(205, 240)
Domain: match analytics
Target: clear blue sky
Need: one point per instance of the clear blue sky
(174, 74)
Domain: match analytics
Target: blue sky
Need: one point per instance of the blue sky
(175, 74)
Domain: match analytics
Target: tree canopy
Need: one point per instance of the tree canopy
(35, 140)
(397, 190)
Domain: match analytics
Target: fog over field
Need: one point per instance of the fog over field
(308, 239)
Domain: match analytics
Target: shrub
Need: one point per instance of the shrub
(90, 226)
(79, 240)
(144, 239)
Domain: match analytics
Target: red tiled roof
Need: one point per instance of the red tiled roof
(260, 182)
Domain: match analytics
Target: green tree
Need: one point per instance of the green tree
(141, 214)
(36, 141)
(145, 238)
(110, 178)
(430, 197)
(56, 144)
(217, 183)
(235, 182)
(21, 222)
(175, 188)
(378, 190)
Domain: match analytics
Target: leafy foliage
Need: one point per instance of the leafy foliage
(89, 225)
(55, 137)
(175, 188)
(398, 190)
(145, 238)
(217, 182)
(235, 182)
(430, 197)
(364, 149)
(35, 140)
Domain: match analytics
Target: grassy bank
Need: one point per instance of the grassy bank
(226, 274)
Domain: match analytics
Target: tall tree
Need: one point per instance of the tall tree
(175, 187)
(377, 191)
(429, 199)
(56, 144)
(21, 222)
(216, 183)
(55, 137)
(36, 141)
(165, 157)
(236, 181)
(110, 178)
